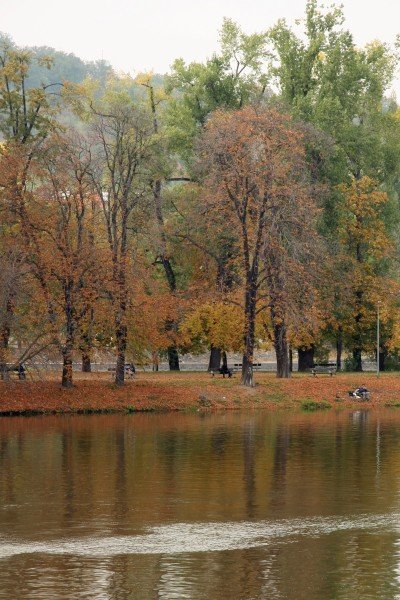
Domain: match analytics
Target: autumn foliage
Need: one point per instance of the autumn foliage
(250, 201)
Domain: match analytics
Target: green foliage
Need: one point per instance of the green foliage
(25, 113)
(328, 81)
(312, 405)
(50, 66)
(238, 74)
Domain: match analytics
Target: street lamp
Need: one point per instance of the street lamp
(377, 338)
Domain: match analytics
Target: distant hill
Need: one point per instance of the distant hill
(66, 66)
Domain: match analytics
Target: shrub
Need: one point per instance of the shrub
(311, 405)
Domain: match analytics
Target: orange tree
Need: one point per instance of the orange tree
(54, 215)
(255, 177)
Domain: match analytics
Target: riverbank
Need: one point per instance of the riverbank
(94, 392)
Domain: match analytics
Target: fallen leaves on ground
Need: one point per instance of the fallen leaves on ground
(189, 391)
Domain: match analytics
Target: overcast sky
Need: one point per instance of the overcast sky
(136, 35)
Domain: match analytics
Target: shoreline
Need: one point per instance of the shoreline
(94, 393)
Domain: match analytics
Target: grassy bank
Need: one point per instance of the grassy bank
(94, 392)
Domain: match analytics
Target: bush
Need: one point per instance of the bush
(312, 405)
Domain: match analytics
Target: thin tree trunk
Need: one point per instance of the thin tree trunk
(281, 351)
(170, 325)
(121, 329)
(66, 380)
(86, 345)
(339, 350)
(121, 350)
(224, 360)
(249, 338)
(155, 361)
(382, 358)
(357, 347)
(67, 350)
(86, 363)
(120, 318)
(4, 341)
(173, 356)
(357, 360)
(290, 359)
(5, 333)
(215, 359)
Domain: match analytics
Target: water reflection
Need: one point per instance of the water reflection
(186, 506)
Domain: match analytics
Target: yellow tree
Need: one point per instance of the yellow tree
(364, 276)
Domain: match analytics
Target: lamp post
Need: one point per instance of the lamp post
(377, 339)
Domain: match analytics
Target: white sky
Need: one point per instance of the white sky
(136, 35)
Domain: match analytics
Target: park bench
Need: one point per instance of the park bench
(238, 366)
(324, 369)
(17, 369)
(129, 369)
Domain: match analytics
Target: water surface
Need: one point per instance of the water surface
(235, 505)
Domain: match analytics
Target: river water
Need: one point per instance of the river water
(221, 506)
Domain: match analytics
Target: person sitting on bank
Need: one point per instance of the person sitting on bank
(130, 370)
(362, 393)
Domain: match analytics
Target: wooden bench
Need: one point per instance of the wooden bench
(324, 369)
(14, 369)
(129, 373)
(238, 366)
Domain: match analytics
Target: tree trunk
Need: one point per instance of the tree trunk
(4, 341)
(247, 369)
(249, 338)
(290, 359)
(382, 358)
(357, 360)
(224, 360)
(306, 358)
(86, 363)
(66, 380)
(155, 362)
(281, 351)
(339, 350)
(173, 359)
(120, 317)
(215, 359)
(86, 345)
(5, 333)
(121, 351)
(170, 325)
(67, 350)
(357, 347)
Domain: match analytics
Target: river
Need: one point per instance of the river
(236, 505)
